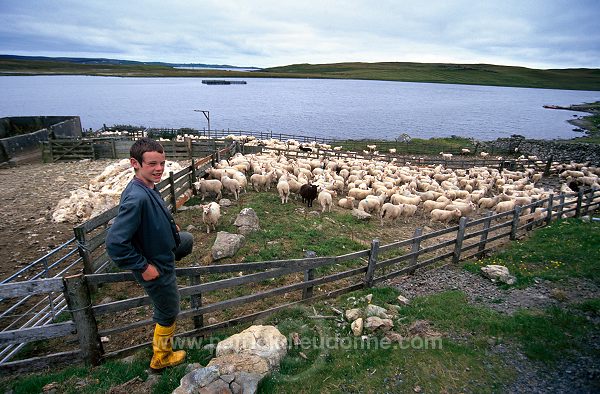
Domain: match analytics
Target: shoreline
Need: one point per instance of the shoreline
(588, 124)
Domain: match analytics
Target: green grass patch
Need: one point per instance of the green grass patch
(334, 361)
(287, 234)
(420, 146)
(555, 252)
(590, 306)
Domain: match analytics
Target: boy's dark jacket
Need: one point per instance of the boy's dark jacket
(143, 231)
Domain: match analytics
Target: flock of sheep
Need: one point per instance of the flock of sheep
(388, 190)
(376, 187)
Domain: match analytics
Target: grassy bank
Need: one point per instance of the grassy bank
(589, 123)
(470, 74)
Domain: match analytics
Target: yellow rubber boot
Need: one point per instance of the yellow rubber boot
(162, 345)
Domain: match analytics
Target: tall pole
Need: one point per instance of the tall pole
(206, 115)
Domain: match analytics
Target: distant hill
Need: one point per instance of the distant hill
(467, 74)
(105, 61)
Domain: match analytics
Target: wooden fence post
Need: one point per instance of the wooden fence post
(196, 302)
(172, 192)
(80, 305)
(579, 201)
(589, 201)
(193, 174)
(188, 145)
(51, 146)
(531, 211)
(368, 282)
(113, 148)
(484, 236)
(459, 239)
(550, 204)
(84, 253)
(561, 205)
(548, 166)
(515, 223)
(307, 292)
(415, 247)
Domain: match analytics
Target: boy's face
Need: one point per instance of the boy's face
(151, 169)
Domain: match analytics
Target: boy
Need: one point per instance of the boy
(145, 239)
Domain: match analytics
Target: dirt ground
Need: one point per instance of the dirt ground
(28, 197)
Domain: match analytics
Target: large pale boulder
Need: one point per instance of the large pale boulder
(403, 300)
(247, 221)
(241, 361)
(498, 273)
(226, 245)
(353, 314)
(263, 341)
(357, 327)
(374, 310)
(375, 323)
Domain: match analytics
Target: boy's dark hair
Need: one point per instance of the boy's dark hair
(142, 146)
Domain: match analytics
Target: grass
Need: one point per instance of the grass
(463, 361)
(472, 74)
(417, 146)
(565, 249)
(290, 236)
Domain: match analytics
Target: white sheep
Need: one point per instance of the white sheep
(430, 205)
(231, 185)
(464, 208)
(260, 181)
(359, 194)
(205, 186)
(390, 211)
(505, 206)
(283, 188)
(369, 205)
(408, 210)
(400, 199)
(488, 202)
(325, 200)
(210, 215)
(347, 202)
(443, 216)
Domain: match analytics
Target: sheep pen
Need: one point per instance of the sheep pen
(32, 192)
(361, 176)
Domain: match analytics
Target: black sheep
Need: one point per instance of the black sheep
(308, 193)
(305, 148)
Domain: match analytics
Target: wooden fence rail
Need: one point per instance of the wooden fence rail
(341, 274)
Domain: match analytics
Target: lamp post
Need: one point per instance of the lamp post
(207, 116)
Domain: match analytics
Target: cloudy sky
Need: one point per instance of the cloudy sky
(530, 33)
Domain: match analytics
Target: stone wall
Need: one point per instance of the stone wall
(564, 152)
(21, 136)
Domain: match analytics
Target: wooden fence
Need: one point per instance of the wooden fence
(307, 280)
(118, 148)
(455, 162)
(212, 140)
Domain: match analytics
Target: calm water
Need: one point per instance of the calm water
(324, 108)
